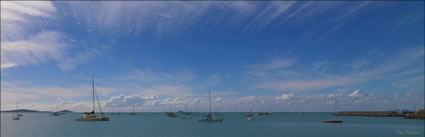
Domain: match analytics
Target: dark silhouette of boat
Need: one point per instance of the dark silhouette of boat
(209, 118)
(333, 121)
(171, 114)
(55, 114)
(133, 113)
(16, 115)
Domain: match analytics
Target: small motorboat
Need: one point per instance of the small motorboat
(250, 116)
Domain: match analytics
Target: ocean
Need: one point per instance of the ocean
(234, 125)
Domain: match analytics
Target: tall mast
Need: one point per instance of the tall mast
(262, 106)
(335, 104)
(414, 108)
(209, 95)
(93, 93)
(16, 109)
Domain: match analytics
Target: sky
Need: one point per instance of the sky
(274, 56)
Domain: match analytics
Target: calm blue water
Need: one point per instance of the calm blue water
(234, 125)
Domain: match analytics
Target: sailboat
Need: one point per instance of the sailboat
(262, 109)
(209, 118)
(186, 113)
(91, 116)
(171, 112)
(334, 120)
(132, 113)
(16, 116)
(250, 115)
(186, 110)
(56, 113)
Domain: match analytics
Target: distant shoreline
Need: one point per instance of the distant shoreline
(33, 111)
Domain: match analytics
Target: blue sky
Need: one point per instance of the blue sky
(289, 55)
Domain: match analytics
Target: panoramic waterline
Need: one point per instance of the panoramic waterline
(159, 125)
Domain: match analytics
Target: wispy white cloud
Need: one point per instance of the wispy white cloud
(300, 85)
(408, 20)
(70, 63)
(149, 82)
(213, 79)
(20, 46)
(39, 48)
(270, 13)
(169, 90)
(25, 39)
(309, 80)
(17, 17)
(360, 64)
(285, 96)
(267, 69)
(408, 82)
(345, 17)
(31, 8)
(12, 97)
(133, 18)
(354, 9)
(355, 93)
(23, 92)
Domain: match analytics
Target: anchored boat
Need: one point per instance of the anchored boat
(209, 118)
(171, 112)
(133, 113)
(56, 113)
(16, 115)
(334, 120)
(91, 116)
(250, 116)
